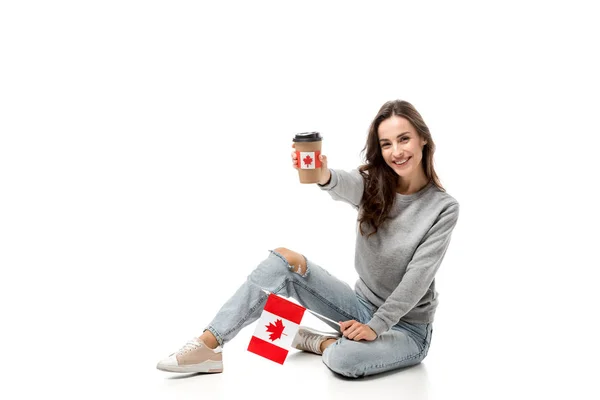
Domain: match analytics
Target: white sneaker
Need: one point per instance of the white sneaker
(195, 356)
(308, 339)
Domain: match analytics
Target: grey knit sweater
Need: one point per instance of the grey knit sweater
(397, 265)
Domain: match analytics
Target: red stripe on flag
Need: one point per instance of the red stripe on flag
(267, 350)
(284, 308)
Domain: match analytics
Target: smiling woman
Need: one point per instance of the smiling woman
(398, 150)
(399, 159)
(385, 322)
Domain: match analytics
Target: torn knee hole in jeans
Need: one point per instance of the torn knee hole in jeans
(300, 269)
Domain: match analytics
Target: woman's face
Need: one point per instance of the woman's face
(401, 146)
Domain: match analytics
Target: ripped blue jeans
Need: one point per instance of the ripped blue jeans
(404, 345)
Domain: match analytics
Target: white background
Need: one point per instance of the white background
(145, 170)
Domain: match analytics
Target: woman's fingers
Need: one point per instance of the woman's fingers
(352, 335)
(345, 324)
(323, 160)
(348, 328)
(354, 330)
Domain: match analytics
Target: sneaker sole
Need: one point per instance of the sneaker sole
(207, 367)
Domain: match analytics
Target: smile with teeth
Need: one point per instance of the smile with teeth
(401, 162)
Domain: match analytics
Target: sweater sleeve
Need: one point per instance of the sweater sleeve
(419, 274)
(345, 186)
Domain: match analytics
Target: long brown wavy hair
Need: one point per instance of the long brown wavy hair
(381, 180)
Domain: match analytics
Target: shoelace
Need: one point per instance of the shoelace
(191, 345)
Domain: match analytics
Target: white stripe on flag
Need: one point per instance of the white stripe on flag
(289, 330)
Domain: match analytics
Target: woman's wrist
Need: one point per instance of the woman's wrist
(328, 179)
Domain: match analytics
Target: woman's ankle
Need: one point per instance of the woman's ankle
(209, 339)
(326, 343)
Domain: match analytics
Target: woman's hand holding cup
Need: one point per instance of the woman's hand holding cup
(308, 156)
(325, 174)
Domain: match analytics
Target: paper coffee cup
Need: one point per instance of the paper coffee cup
(308, 150)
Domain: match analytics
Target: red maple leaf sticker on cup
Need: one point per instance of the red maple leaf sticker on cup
(275, 329)
(307, 160)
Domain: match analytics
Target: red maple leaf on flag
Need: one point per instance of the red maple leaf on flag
(275, 329)
(307, 160)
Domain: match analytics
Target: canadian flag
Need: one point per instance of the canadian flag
(276, 328)
(308, 159)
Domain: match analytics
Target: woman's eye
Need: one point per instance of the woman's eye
(383, 146)
(404, 139)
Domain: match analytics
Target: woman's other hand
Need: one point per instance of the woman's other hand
(354, 330)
